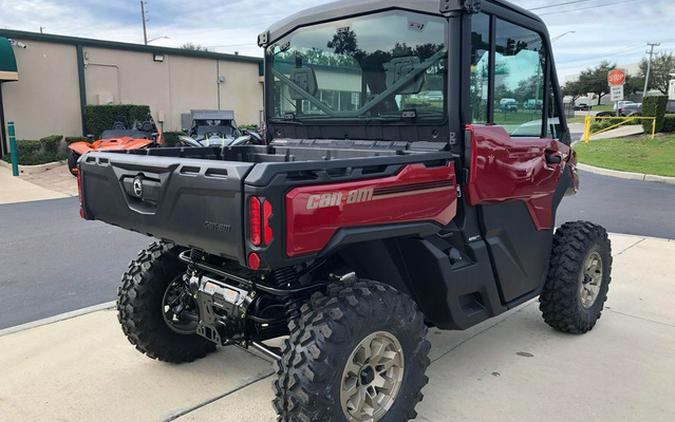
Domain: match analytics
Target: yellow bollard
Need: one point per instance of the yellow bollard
(587, 129)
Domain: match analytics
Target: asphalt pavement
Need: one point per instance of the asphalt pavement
(52, 262)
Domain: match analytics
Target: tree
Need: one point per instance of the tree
(663, 65)
(633, 85)
(573, 89)
(193, 47)
(595, 80)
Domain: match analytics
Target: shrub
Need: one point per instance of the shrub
(50, 144)
(252, 128)
(102, 117)
(604, 123)
(654, 107)
(45, 150)
(668, 123)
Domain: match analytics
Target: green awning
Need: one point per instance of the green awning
(8, 71)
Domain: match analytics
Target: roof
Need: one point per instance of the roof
(341, 8)
(114, 45)
(8, 70)
(212, 114)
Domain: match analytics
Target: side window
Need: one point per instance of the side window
(553, 130)
(480, 67)
(519, 80)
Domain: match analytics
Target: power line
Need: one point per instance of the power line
(559, 4)
(586, 8)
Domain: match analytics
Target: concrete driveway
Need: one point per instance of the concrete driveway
(510, 368)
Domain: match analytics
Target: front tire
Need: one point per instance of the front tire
(153, 279)
(357, 352)
(578, 279)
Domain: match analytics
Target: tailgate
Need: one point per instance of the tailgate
(192, 202)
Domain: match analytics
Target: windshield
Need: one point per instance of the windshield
(389, 65)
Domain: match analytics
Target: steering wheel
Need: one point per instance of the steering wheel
(119, 126)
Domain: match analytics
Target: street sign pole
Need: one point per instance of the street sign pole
(12, 148)
(616, 79)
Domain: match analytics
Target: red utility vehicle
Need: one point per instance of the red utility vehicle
(393, 195)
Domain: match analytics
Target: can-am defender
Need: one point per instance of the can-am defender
(394, 194)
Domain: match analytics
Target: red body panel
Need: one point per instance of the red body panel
(505, 169)
(416, 193)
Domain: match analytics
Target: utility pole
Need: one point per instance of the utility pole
(143, 19)
(649, 65)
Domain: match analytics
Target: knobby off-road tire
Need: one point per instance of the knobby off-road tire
(564, 302)
(140, 308)
(326, 334)
(72, 162)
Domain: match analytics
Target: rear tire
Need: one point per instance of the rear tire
(140, 307)
(72, 162)
(578, 279)
(375, 329)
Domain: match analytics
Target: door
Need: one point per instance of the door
(515, 161)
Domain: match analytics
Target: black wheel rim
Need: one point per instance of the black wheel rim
(179, 309)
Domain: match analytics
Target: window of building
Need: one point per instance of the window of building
(480, 67)
(519, 70)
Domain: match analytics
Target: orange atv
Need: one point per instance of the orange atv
(116, 139)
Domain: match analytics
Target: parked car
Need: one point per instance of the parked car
(631, 109)
(351, 233)
(508, 105)
(627, 108)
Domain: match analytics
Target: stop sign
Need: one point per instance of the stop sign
(616, 77)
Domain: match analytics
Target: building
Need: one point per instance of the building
(58, 76)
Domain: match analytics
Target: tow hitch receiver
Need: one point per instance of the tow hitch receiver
(222, 308)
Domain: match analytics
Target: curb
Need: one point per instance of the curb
(627, 175)
(35, 169)
(57, 318)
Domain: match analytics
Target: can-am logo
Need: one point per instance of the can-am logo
(335, 199)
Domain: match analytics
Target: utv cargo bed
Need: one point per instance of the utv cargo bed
(195, 196)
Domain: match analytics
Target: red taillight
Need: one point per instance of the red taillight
(253, 261)
(79, 193)
(267, 229)
(254, 217)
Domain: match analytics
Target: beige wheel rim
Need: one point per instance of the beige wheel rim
(372, 377)
(590, 279)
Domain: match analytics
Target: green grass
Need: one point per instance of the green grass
(604, 107)
(636, 154)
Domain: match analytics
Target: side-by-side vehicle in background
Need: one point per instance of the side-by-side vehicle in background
(393, 194)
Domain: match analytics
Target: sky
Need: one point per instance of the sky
(614, 30)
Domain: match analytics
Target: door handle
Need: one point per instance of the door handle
(553, 158)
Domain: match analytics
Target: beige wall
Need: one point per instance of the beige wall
(46, 98)
(241, 91)
(173, 86)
